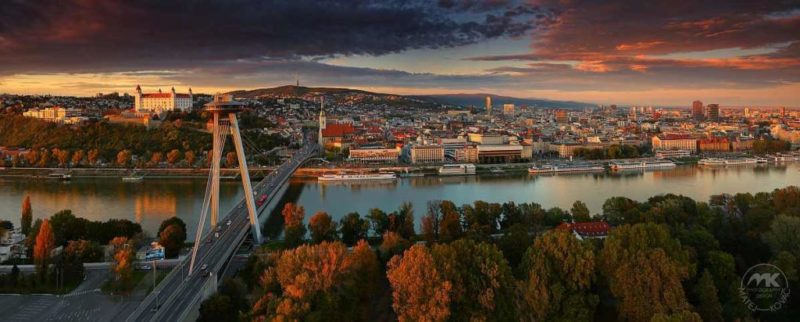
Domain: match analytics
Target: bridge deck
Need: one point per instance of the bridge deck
(177, 294)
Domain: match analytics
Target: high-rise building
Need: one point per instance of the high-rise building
(746, 112)
(488, 105)
(713, 112)
(783, 111)
(509, 109)
(697, 110)
(562, 116)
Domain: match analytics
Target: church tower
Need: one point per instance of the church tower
(322, 121)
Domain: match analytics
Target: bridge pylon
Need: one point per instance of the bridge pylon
(223, 110)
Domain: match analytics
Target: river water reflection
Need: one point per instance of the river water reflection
(153, 200)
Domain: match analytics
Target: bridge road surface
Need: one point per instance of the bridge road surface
(177, 293)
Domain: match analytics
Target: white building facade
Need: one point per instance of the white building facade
(162, 102)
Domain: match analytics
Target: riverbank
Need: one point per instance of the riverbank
(178, 173)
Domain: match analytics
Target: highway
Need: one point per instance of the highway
(178, 292)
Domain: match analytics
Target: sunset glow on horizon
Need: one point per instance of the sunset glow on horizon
(657, 53)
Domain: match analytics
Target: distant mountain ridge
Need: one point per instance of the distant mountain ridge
(479, 100)
(356, 95)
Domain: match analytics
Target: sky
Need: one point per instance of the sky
(663, 53)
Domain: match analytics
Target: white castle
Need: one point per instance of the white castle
(162, 102)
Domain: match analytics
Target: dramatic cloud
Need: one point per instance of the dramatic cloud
(119, 35)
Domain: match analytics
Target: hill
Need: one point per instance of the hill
(348, 95)
(479, 100)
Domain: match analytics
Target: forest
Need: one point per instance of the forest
(669, 258)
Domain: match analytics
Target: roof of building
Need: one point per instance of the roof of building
(591, 228)
(337, 129)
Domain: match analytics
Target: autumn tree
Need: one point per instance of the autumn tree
(173, 156)
(190, 158)
(45, 243)
(392, 244)
(353, 228)
(419, 291)
(124, 158)
(122, 265)
(450, 227)
(77, 157)
(230, 159)
(319, 282)
(293, 229)
(431, 221)
(645, 267)
(322, 227)
(62, 156)
(31, 157)
(549, 291)
(92, 156)
(156, 158)
(27, 216)
(580, 212)
(44, 159)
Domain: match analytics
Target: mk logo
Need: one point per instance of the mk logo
(769, 280)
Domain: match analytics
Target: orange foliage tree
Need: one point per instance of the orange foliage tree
(45, 242)
(322, 227)
(419, 291)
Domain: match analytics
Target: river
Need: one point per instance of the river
(153, 200)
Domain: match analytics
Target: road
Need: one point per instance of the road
(178, 292)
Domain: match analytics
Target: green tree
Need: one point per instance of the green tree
(27, 216)
(218, 308)
(480, 278)
(379, 221)
(705, 292)
(172, 221)
(353, 228)
(784, 235)
(551, 292)
(172, 239)
(514, 243)
(580, 212)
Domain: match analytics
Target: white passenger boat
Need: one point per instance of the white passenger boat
(457, 169)
(357, 177)
(641, 165)
(566, 168)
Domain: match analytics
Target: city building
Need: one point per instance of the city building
(375, 155)
(486, 138)
(713, 145)
(431, 153)
(713, 112)
(509, 109)
(697, 110)
(161, 102)
(562, 117)
(57, 114)
(334, 134)
(674, 141)
(499, 153)
(489, 105)
(664, 154)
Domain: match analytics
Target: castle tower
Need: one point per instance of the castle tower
(137, 99)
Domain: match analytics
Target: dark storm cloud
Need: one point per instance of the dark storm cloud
(118, 35)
